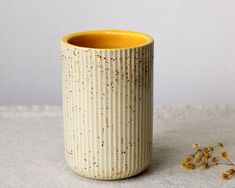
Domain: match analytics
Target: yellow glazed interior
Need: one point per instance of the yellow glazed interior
(107, 39)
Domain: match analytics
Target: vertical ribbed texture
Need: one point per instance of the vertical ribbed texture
(107, 102)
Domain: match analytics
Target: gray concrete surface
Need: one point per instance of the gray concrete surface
(31, 152)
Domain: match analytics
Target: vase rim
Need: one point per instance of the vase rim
(107, 39)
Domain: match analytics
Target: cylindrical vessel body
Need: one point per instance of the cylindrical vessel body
(107, 102)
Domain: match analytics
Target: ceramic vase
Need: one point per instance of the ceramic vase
(107, 84)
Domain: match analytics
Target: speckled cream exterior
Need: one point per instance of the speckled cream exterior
(108, 110)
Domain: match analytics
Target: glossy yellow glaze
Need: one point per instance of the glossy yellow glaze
(107, 39)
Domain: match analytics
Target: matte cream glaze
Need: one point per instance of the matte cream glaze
(107, 103)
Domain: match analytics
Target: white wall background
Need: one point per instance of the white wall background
(194, 39)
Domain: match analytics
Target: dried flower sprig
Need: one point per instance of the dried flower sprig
(206, 158)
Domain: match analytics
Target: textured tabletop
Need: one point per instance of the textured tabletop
(32, 155)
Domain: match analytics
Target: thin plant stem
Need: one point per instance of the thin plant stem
(227, 164)
(230, 161)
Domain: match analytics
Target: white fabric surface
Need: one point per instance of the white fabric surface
(32, 150)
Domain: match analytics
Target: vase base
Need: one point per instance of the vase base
(107, 178)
